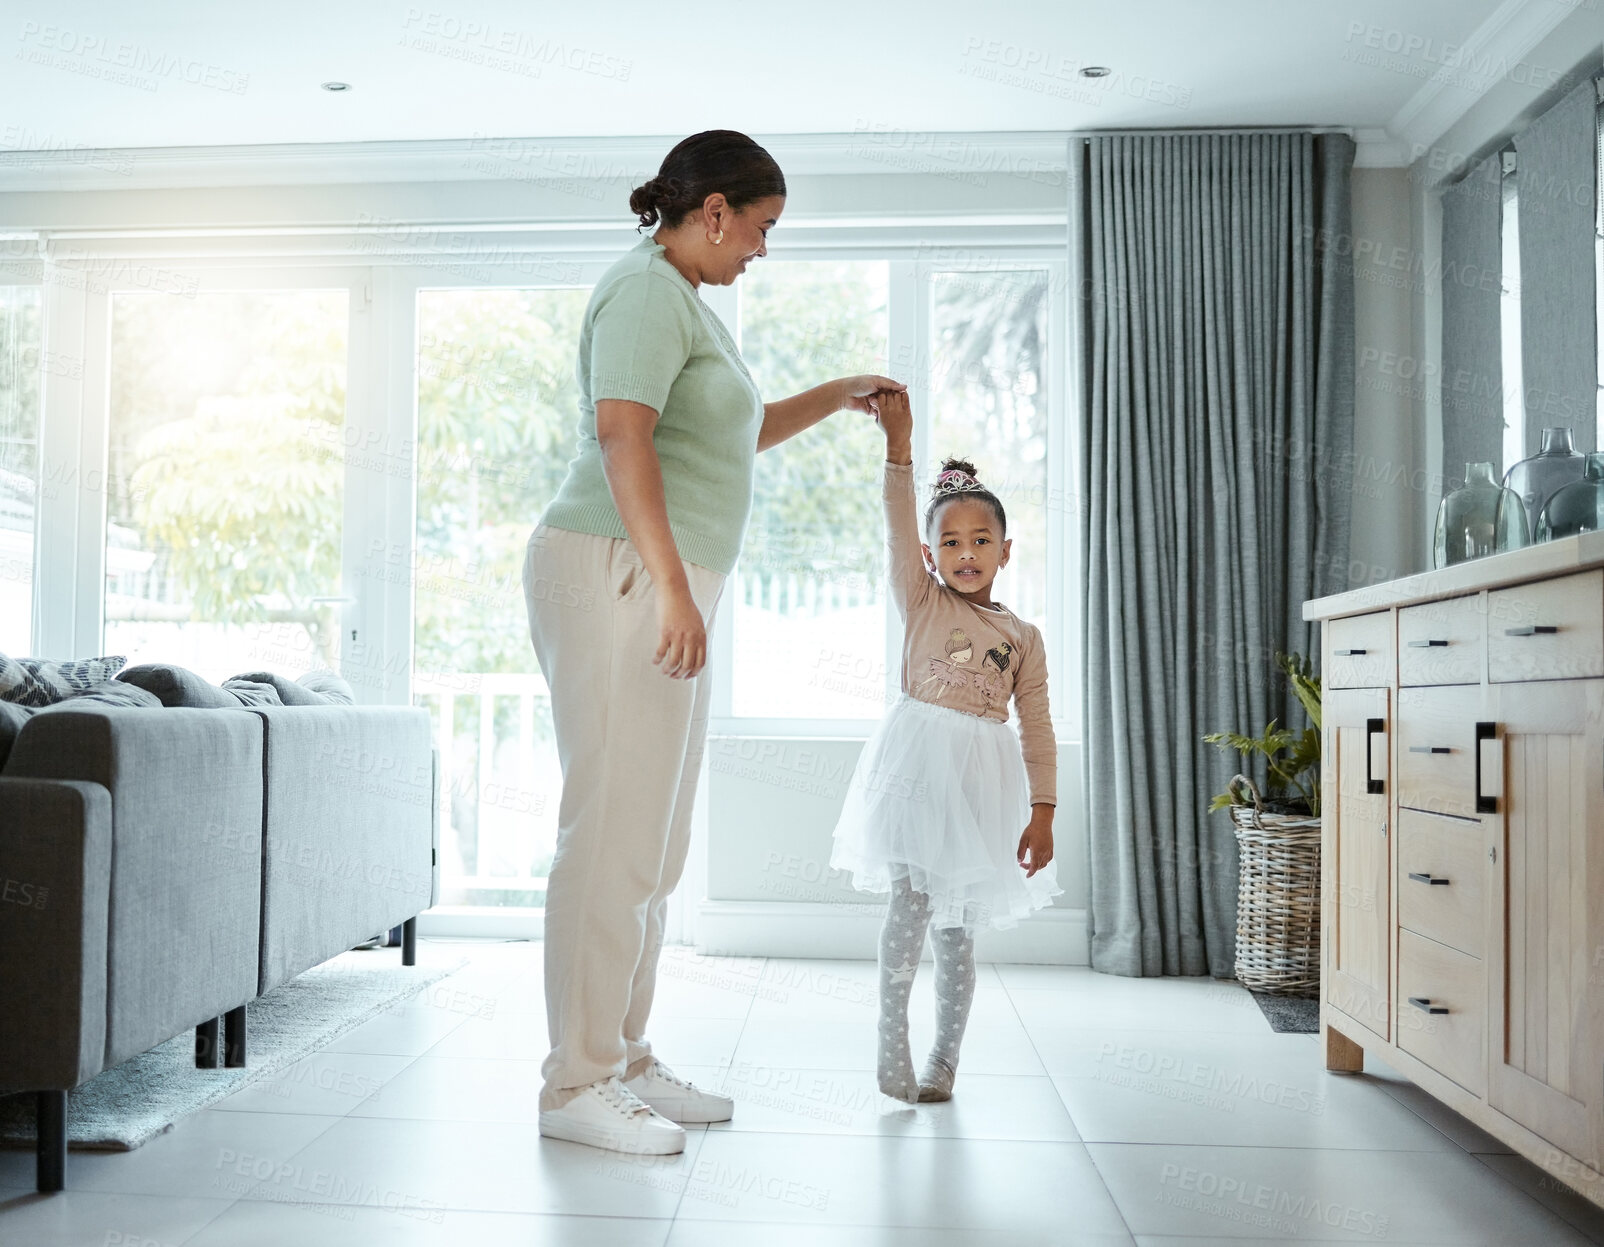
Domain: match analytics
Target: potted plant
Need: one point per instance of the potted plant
(1292, 758)
(1278, 842)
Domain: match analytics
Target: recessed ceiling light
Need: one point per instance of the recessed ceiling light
(1095, 71)
(336, 86)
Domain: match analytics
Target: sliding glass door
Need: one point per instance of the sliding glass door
(497, 409)
(225, 479)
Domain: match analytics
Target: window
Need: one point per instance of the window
(1509, 318)
(225, 479)
(497, 409)
(20, 365)
(814, 647)
(988, 405)
(809, 598)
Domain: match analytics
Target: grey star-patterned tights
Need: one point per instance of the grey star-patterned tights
(902, 940)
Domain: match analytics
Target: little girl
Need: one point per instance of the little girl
(941, 790)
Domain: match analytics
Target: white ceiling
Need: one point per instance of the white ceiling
(443, 69)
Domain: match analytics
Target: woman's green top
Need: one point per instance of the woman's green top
(648, 337)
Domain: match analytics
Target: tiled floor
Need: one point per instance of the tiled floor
(1089, 1110)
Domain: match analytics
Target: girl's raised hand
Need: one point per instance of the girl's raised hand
(896, 417)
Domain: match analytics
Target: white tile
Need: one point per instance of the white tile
(501, 1036)
(428, 1166)
(984, 1106)
(696, 1233)
(804, 1043)
(325, 1084)
(1165, 1086)
(952, 1184)
(193, 1159)
(407, 1031)
(1085, 999)
(1551, 1191)
(72, 1218)
(1241, 1108)
(1285, 1194)
(450, 1089)
(251, 1223)
(1461, 1130)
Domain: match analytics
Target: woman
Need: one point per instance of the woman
(621, 579)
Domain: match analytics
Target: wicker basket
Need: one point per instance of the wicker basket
(1278, 897)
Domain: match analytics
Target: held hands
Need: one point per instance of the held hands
(1037, 841)
(866, 392)
(681, 635)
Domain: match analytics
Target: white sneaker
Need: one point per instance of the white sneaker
(677, 1099)
(607, 1114)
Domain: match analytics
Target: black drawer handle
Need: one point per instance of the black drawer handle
(1429, 749)
(1347, 653)
(1427, 644)
(1484, 732)
(1424, 1003)
(1372, 726)
(1423, 877)
(1534, 630)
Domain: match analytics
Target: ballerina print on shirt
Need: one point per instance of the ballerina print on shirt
(945, 675)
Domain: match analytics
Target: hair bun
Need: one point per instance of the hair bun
(959, 465)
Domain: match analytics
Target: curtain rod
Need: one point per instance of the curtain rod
(1183, 131)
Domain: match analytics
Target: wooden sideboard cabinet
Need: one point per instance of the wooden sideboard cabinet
(1462, 852)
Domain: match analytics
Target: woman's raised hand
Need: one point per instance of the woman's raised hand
(864, 393)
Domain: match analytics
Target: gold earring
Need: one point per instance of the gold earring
(719, 239)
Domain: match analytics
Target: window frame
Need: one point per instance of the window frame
(910, 316)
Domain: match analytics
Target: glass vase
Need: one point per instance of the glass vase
(1577, 507)
(1479, 518)
(1553, 467)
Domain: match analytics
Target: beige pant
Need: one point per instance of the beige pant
(630, 741)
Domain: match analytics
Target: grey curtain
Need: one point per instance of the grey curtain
(1559, 347)
(1472, 374)
(1216, 459)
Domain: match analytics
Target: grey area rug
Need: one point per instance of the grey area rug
(1290, 1015)
(120, 1109)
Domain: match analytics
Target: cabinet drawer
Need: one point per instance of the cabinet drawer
(1547, 630)
(1359, 651)
(1432, 976)
(1442, 879)
(1437, 750)
(1442, 642)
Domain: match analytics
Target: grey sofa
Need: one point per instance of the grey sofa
(161, 866)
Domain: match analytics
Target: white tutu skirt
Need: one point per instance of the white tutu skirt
(939, 798)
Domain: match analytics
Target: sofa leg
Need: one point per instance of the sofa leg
(409, 942)
(234, 1038)
(51, 1169)
(206, 1045)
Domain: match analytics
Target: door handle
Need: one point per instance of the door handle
(1423, 1003)
(1347, 653)
(1372, 726)
(1484, 732)
(1426, 644)
(1429, 749)
(1534, 630)
(1423, 877)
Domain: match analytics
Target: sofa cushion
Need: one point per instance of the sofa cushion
(178, 686)
(106, 693)
(40, 681)
(12, 719)
(321, 688)
(333, 688)
(249, 692)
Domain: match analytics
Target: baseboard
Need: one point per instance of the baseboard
(483, 922)
(851, 932)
